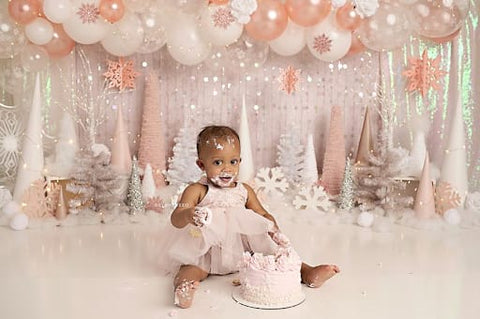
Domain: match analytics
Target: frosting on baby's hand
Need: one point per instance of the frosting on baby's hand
(202, 216)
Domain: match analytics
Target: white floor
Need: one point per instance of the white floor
(108, 271)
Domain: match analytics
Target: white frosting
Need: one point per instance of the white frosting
(272, 279)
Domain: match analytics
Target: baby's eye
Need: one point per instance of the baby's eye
(217, 162)
(234, 162)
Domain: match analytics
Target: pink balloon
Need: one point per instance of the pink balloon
(308, 12)
(268, 22)
(347, 18)
(217, 2)
(356, 46)
(61, 44)
(112, 10)
(448, 38)
(24, 11)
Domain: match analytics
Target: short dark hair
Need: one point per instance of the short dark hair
(215, 131)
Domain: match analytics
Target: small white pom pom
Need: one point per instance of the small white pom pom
(452, 216)
(365, 219)
(19, 221)
(11, 208)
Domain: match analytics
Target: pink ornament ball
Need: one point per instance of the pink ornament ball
(61, 44)
(347, 18)
(112, 10)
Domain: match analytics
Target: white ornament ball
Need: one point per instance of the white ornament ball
(19, 221)
(452, 216)
(365, 219)
(11, 208)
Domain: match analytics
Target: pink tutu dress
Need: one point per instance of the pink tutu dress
(217, 247)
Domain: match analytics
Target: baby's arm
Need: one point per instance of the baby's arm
(254, 204)
(184, 212)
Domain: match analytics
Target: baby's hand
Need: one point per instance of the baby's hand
(281, 240)
(202, 216)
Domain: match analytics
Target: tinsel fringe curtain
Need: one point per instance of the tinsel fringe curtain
(201, 95)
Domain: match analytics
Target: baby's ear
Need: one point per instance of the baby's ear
(200, 165)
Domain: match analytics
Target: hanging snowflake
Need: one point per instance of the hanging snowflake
(423, 73)
(10, 133)
(88, 13)
(289, 79)
(40, 199)
(271, 180)
(313, 197)
(446, 197)
(322, 44)
(156, 204)
(222, 18)
(121, 74)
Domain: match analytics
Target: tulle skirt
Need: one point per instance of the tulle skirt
(216, 248)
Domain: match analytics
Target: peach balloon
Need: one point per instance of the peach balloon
(112, 10)
(268, 21)
(308, 12)
(356, 46)
(347, 18)
(217, 2)
(448, 38)
(61, 44)
(24, 11)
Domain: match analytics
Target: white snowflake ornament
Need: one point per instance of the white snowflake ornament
(271, 180)
(313, 197)
(366, 8)
(242, 9)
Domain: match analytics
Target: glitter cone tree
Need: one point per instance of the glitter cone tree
(152, 149)
(334, 158)
(134, 195)
(347, 192)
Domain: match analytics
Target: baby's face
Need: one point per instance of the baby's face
(220, 159)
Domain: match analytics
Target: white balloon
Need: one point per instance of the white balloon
(125, 37)
(365, 219)
(19, 221)
(86, 26)
(184, 42)
(155, 34)
(291, 41)
(326, 42)
(57, 11)
(218, 26)
(39, 31)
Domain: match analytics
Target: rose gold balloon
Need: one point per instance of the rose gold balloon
(448, 38)
(268, 22)
(112, 10)
(308, 12)
(61, 44)
(217, 2)
(24, 11)
(356, 46)
(347, 18)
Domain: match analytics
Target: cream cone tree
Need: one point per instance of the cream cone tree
(247, 169)
(334, 158)
(121, 159)
(309, 173)
(30, 166)
(424, 206)
(152, 144)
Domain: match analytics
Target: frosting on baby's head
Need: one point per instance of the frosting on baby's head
(215, 137)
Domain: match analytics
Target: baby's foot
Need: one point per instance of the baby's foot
(314, 277)
(184, 293)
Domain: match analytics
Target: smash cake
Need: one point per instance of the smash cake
(270, 281)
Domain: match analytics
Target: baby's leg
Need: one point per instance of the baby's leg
(314, 277)
(186, 282)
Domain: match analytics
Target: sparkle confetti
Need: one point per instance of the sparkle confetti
(88, 13)
(121, 74)
(222, 18)
(289, 79)
(423, 73)
(322, 44)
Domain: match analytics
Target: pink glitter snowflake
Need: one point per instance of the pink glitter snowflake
(121, 74)
(88, 13)
(446, 197)
(322, 43)
(289, 79)
(423, 73)
(222, 18)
